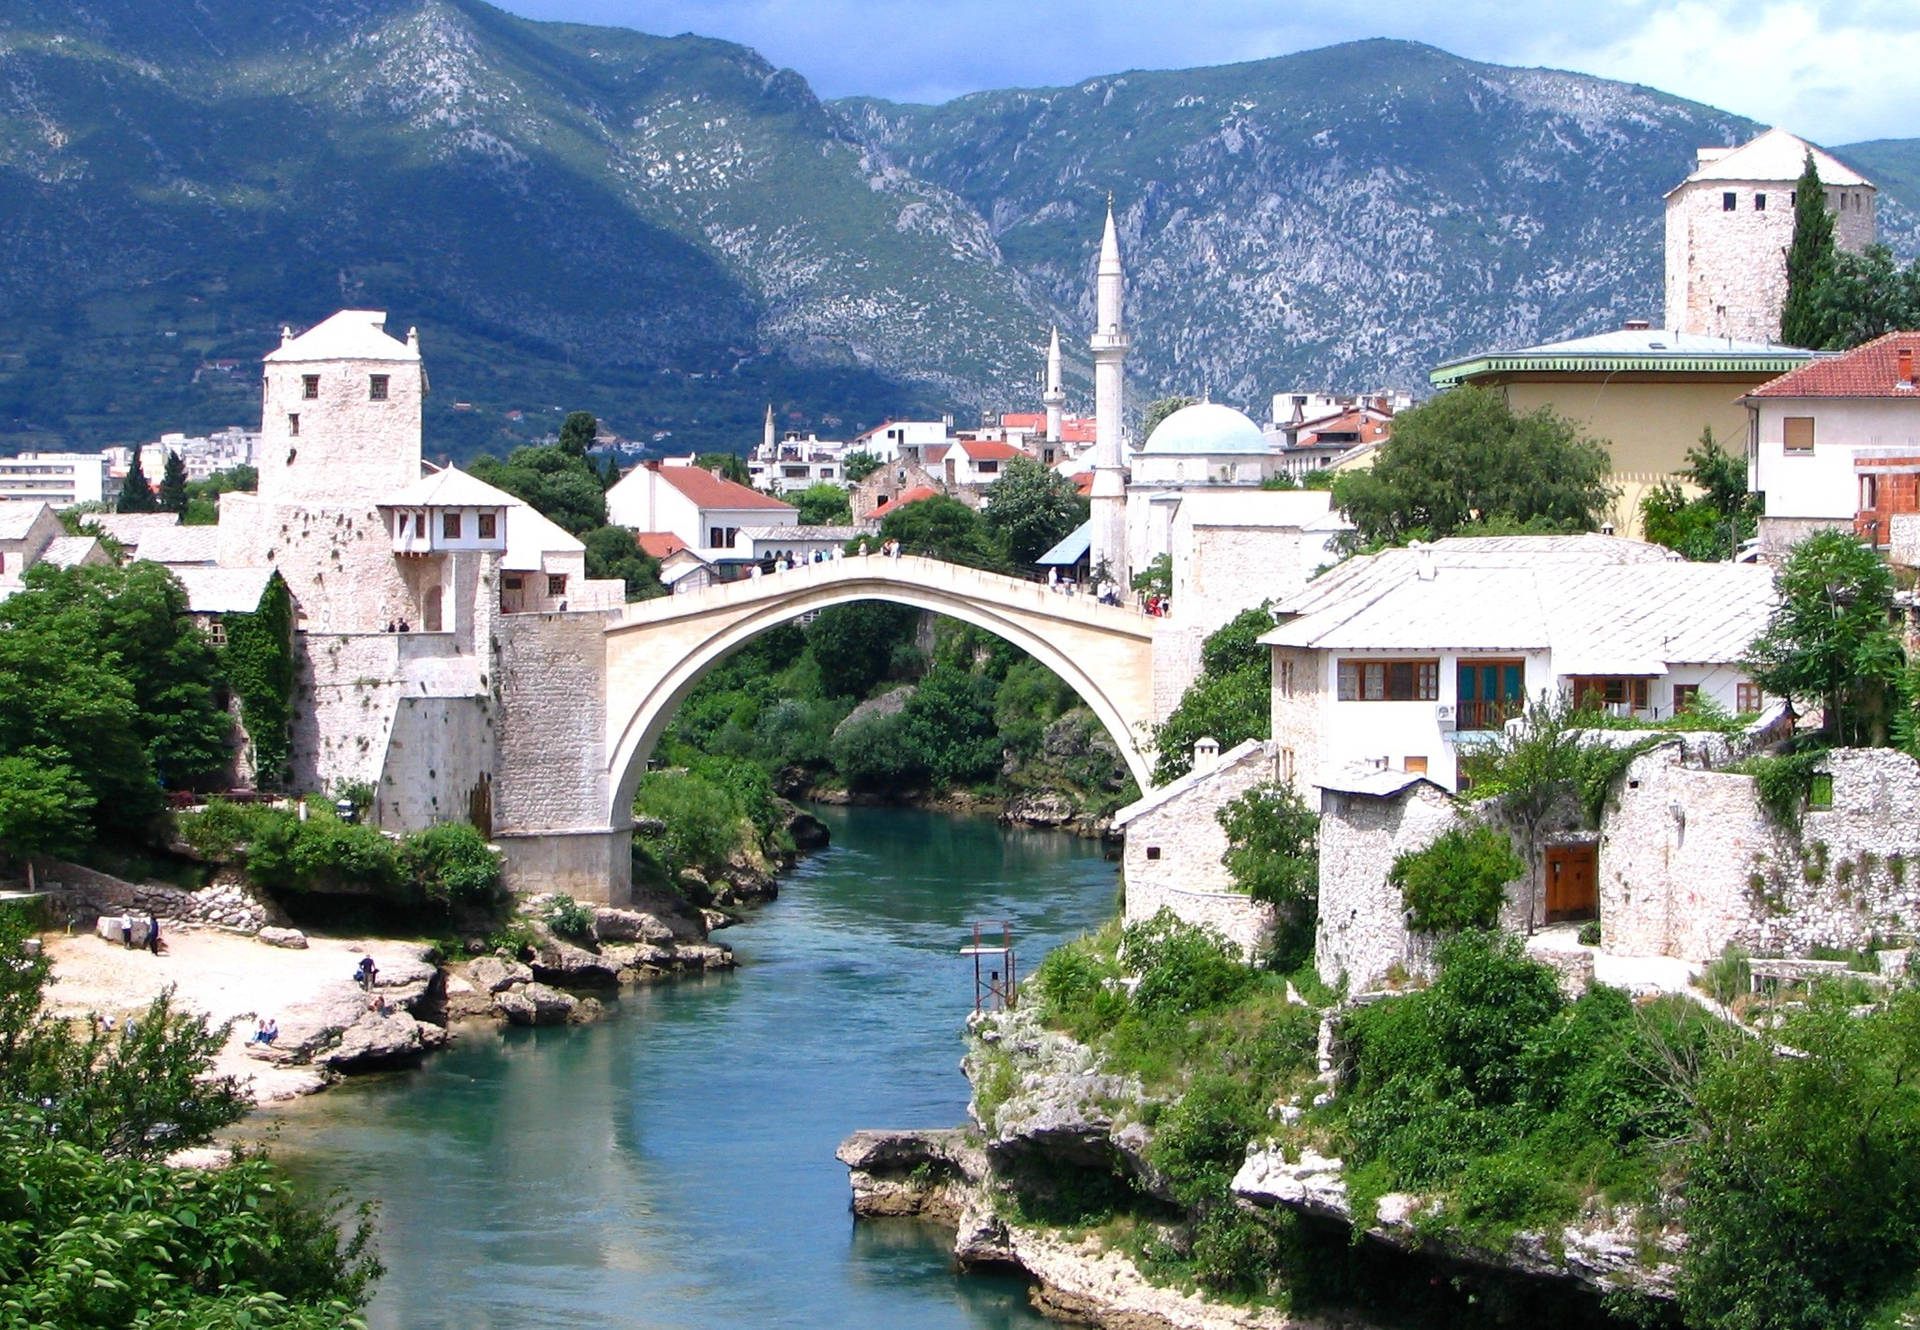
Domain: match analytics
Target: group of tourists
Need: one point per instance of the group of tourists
(787, 561)
(127, 926)
(265, 1032)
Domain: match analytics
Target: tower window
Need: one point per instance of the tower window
(377, 388)
(556, 584)
(1759, 202)
(419, 526)
(310, 386)
(1729, 201)
(487, 521)
(293, 425)
(450, 525)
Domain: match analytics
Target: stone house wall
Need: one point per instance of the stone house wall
(1173, 853)
(1690, 862)
(1363, 931)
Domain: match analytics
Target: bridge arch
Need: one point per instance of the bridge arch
(659, 650)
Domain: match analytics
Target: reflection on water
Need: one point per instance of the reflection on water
(673, 1166)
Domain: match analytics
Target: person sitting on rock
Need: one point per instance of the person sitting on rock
(271, 1032)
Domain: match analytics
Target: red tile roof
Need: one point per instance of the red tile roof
(1023, 420)
(1077, 429)
(936, 453)
(1083, 483)
(984, 450)
(1869, 370)
(710, 491)
(659, 544)
(913, 494)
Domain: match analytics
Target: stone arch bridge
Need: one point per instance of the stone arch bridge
(569, 768)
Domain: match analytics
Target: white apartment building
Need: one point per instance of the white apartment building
(60, 479)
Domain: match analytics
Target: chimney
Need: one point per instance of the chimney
(1424, 553)
(1206, 754)
(1906, 366)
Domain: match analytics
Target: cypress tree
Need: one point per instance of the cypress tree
(173, 485)
(136, 495)
(1809, 262)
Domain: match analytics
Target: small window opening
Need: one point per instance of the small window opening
(1729, 201)
(310, 386)
(450, 525)
(1759, 202)
(1153, 851)
(293, 426)
(487, 525)
(557, 584)
(1820, 790)
(377, 388)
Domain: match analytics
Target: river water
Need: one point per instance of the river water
(673, 1165)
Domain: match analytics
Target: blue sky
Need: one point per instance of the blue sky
(1832, 71)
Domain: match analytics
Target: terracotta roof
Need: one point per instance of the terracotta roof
(711, 491)
(936, 453)
(983, 450)
(1083, 483)
(912, 495)
(1869, 370)
(1023, 420)
(659, 544)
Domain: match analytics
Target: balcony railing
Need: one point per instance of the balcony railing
(1489, 713)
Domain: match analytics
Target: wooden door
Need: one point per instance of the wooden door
(1572, 882)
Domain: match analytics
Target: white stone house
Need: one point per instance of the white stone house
(1399, 659)
(977, 461)
(1174, 844)
(705, 510)
(26, 529)
(1729, 225)
(1836, 443)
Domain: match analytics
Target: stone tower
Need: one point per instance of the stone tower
(1109, 533)
(340, 414)
(1730, 224)
(1055, 396)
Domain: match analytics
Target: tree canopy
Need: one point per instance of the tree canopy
(824, 504)
(577, 433)
(1862, 296)
(860, 464)
(136, 494)
(1464, 459)
(1158, 410)
(1713, 526)
(1831, 638)
(1230, 701)
(1031, 508)
(944, 528)
(173, 485)
(561, 484)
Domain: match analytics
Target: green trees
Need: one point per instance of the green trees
(1031, 508)
(944, 528)
(449, 862)
(1863, 296)
(577, 433)
(1831, 638)
(102, 1234)
(860, 464)
(1465, 459)
(1273, 854)
(173, 485)
(103, 675)
(1809, 261)
(561, 484)
(824, 504)
(258, 663)
(43, 808)
(854, 644)
(1230, 701)
(1711, 527)
(612, 553)
(731, 466)
(136, 495)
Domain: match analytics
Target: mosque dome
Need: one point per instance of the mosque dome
(1206, 428)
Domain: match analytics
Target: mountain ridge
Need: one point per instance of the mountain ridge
(671, 232)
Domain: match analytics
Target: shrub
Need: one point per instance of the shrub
(1077, 992)
(1457, 882)
(1183, 968)
(568, 918)
(451, 862)
(287, 854)
(702, 820)
(217, 830)
(1590, 933)
(1200, 1142)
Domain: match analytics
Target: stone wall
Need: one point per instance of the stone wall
(1175, 844)
(552, 772)
(1363, 929)
(83, 895)
(1690, 862)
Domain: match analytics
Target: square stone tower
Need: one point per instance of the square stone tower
(340, 414)
(1730, 224)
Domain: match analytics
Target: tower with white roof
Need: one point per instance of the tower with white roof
(1108, 542)
(1054, 398)
(340, 413)
(1730, 224)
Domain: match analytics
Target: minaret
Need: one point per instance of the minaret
(1109, 535)
(766, 435)
(1055, 397)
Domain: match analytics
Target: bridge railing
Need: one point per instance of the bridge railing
(907, 569)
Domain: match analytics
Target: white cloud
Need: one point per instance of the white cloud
(1832, 71)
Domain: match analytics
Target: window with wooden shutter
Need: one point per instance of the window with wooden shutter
(1796, 434)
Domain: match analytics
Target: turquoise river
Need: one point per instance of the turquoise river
(673, 1165)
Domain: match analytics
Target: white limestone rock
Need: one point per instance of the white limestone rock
(491, 974)
(291, 938)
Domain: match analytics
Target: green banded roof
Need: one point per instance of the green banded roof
(1650, 350)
